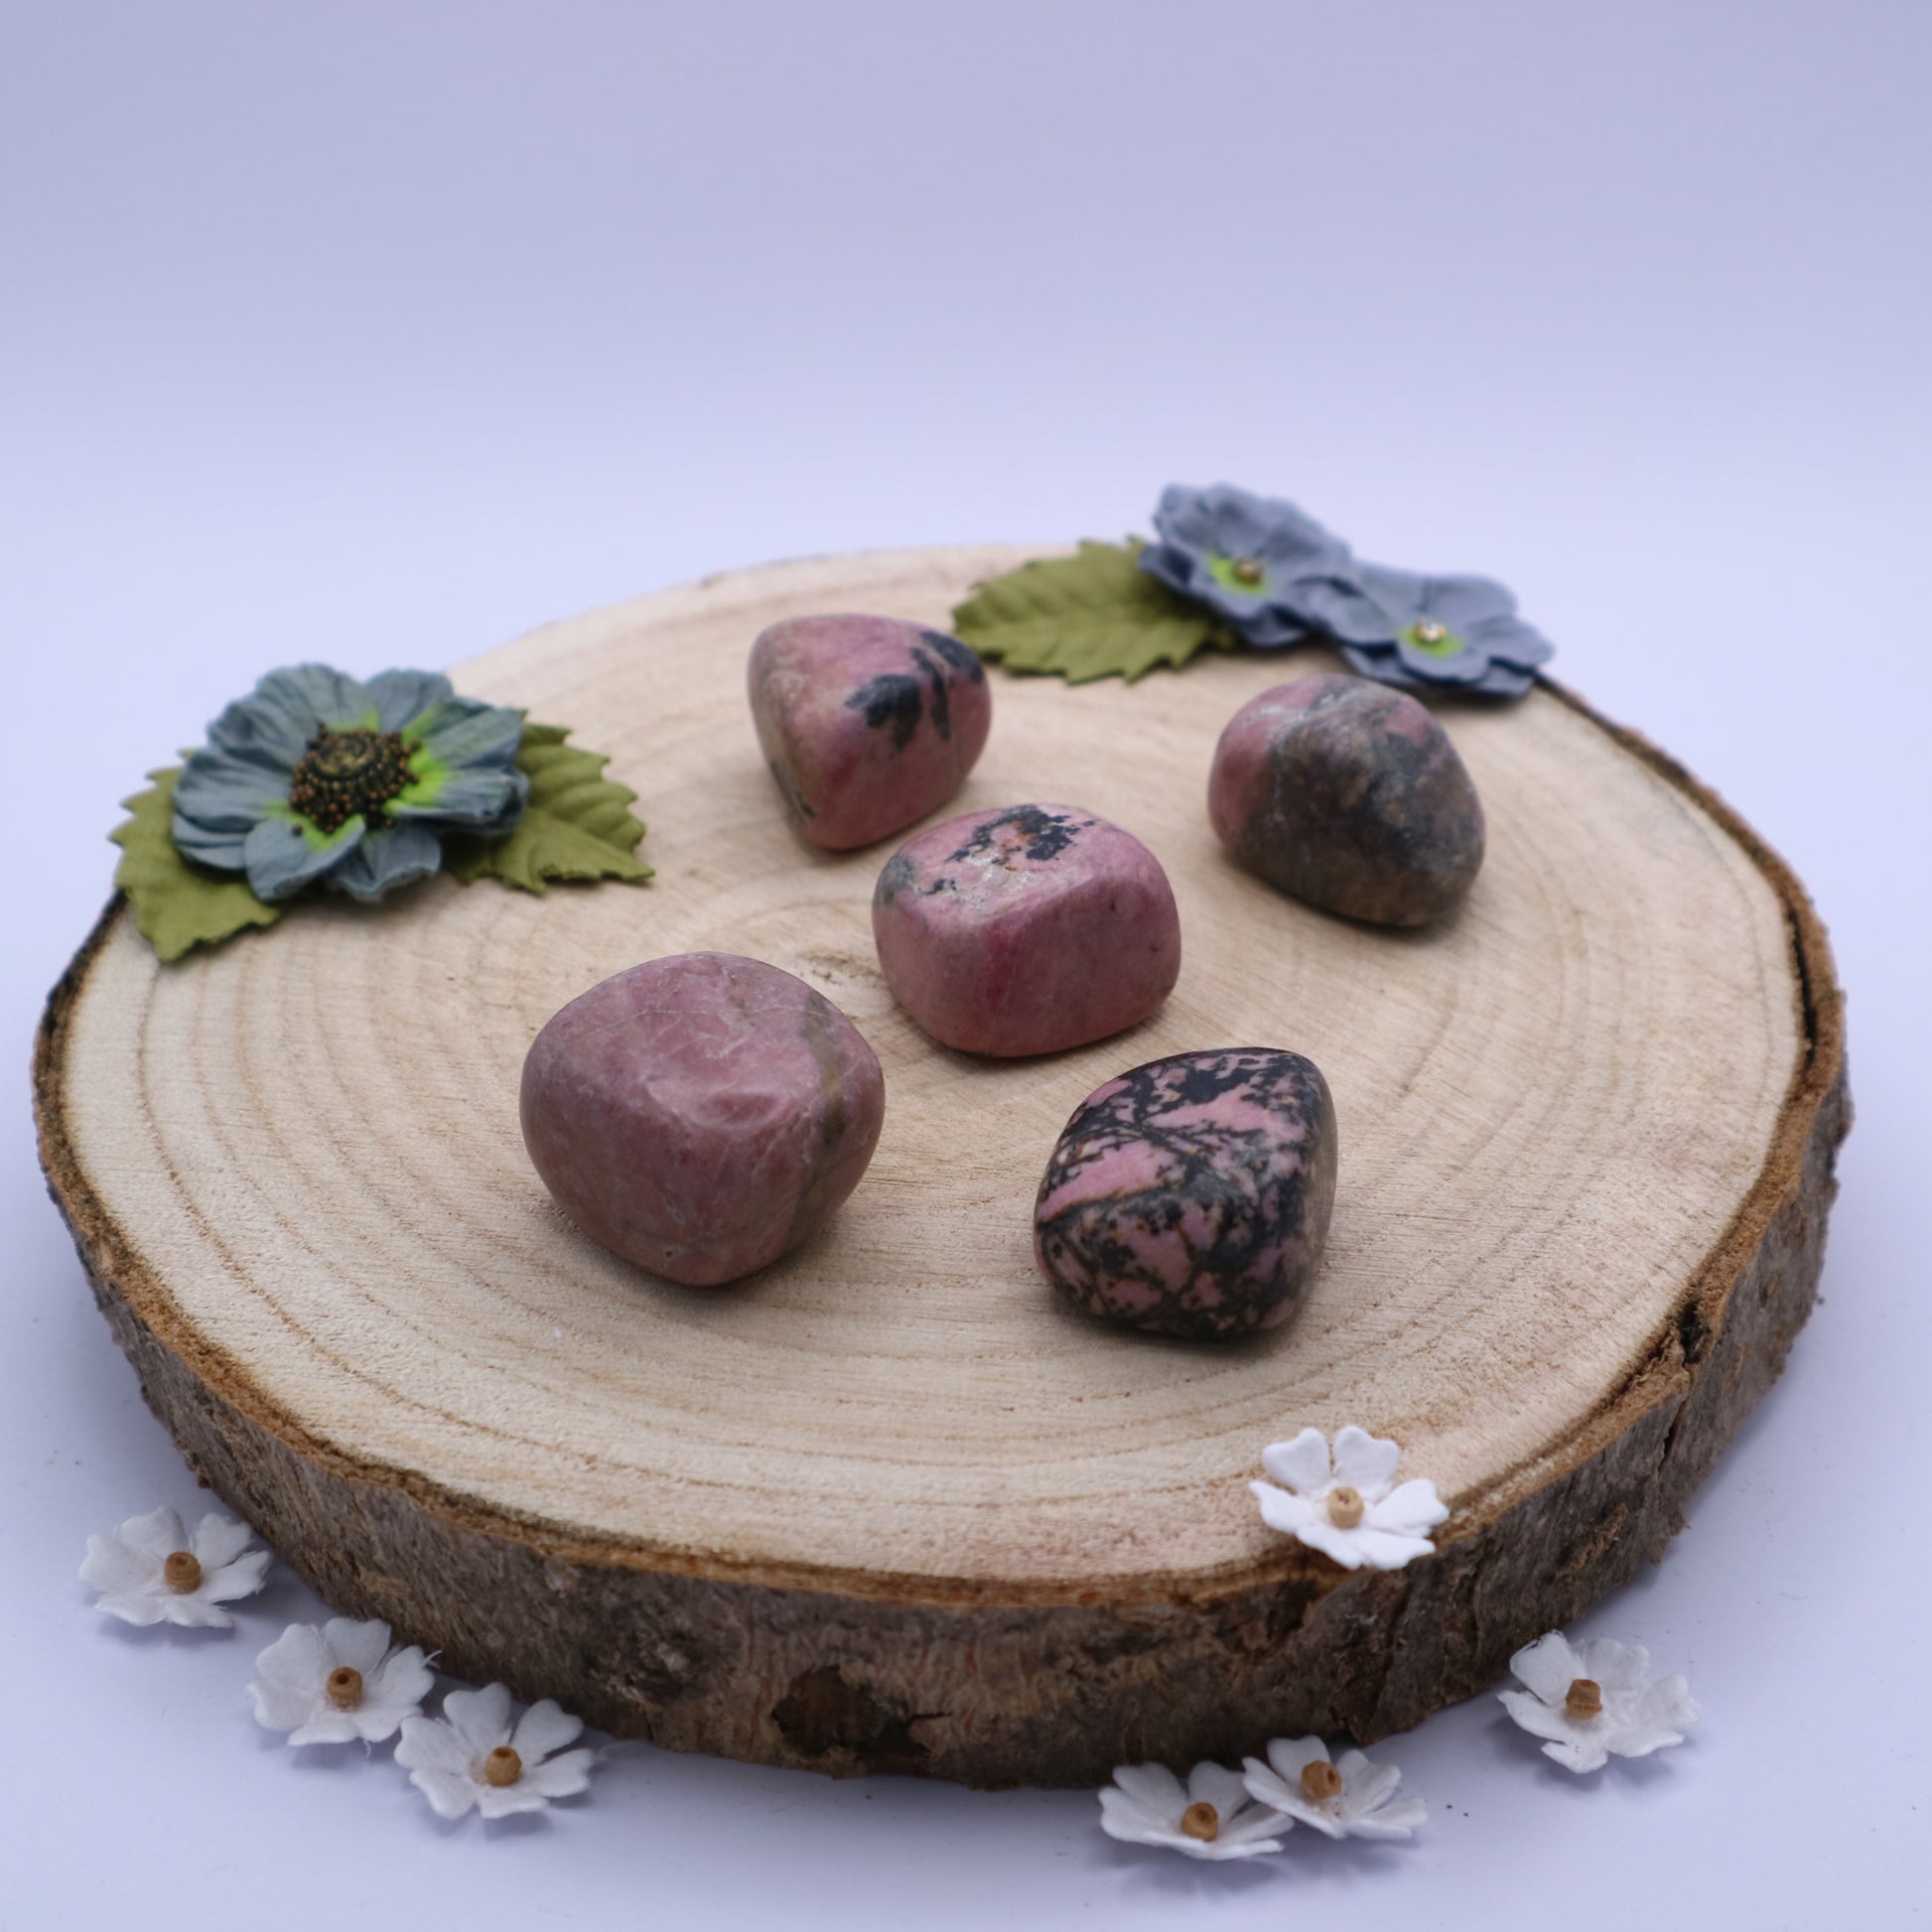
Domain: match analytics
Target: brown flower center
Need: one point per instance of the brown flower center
(183, 1571)
(1200, 1820)
(1345, 1506)
(344, 1688)
(1429, 631)
(1248, 570)
(1320, 1781)
(1585, 1698)
(502, 1766)
(342, 773)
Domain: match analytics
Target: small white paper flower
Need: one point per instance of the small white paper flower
(1351, 1511)
(154, 1572)
(336, 1683)
(1210, 1816)
(471, 1755)
(1350, 1797)
(1596, 1698)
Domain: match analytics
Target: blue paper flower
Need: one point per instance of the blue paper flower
(1414, 631)
(319, 777)
(1253, 559)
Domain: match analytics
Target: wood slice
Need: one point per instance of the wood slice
(890, 1505)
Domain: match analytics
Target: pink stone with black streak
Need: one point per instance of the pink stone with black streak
(1349, 795)
(1191, 1195)
(700, 1115)
(1028, 929)
(867, 723)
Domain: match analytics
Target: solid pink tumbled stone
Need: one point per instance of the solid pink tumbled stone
(700, 1115)
(1028, 929)
(867, 723)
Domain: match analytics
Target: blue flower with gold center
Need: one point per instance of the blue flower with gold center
(318, 777)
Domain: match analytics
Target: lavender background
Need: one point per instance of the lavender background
(378, 333)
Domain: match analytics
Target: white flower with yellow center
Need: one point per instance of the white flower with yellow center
(1348, 1797)
(473, 1755)
(154, 1572)
(1597, 1700)
(333, 1684)
(1351, 1508)
(1211, 1815)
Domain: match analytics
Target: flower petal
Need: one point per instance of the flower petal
(1459, 602)
(1539, 1719)
(400, 1682)
(282, 859)
(112, 1564)
(1395, 1820)
(1547, 1666)
(193, 1611)
(1365, 1463)
(564, 1775)
(465, 732)
(1513, 641)
(1365, 1785)
(1639, 1741)
(449, 1795)
(219, 793)
(219, 1539)
(506, 1800)
(1301, 1465)
(160, 1533)
(241, 1578)
(468, 798)
(1214, 1784)
(1469, 666)
(134, 1606)
(401, 697)
(428, 1744)
(1153, 1787)
(390, 855)
(328, 1725)
(543, 1729)
(293, 704)
(1349, 1548)
(1288, 1757)
(281, 1706)
(1615, 1666)
(1282, 1510)
(481, 1719)
(295, 1661)
(360, 1643)
(1409, 1509)
(1126, 1818)
(1577, 1756)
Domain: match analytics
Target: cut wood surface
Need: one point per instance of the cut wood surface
(890, 1504)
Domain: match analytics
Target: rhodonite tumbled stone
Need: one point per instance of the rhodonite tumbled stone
(1028, 929)
(1348, 795)
(867, 723)
(701, 1114)
(1191, 1195)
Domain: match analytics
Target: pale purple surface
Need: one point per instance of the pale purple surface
(867, 723)
(1025, 930)
(377, 334)
(701, 1114)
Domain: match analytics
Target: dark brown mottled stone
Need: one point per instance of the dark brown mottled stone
(1190, 1196)
(1350, 796)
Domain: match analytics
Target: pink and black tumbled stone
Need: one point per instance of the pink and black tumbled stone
(1191, 1195)
(1350, 796)
(866, 723)
(700, 1115)
(1026, 929)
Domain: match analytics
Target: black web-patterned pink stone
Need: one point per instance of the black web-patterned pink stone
(1191, 1195)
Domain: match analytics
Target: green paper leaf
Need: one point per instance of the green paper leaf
(1087, 616)
(576, 825)
(177, 904)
